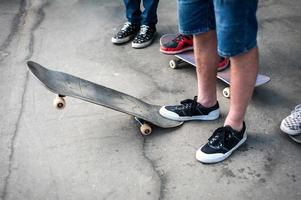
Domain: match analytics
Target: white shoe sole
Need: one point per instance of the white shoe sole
(176, 52)
(218, 157)
(174, 116)
(122, 40)
(144, 44)
(288, 130)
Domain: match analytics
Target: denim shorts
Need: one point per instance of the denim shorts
(235, 22)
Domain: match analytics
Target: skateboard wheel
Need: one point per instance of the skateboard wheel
(59, 103)
(145, 129)
(226, 92)
(173, 64)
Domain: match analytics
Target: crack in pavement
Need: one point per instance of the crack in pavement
(162, 180)
(12, 145)
(15, 26)
(40, 16)
(21, 17)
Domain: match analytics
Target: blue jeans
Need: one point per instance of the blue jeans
(147, 17)
(235, 22)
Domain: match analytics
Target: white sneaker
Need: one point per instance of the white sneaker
(292, 123)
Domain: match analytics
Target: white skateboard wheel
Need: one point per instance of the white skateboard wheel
(173, 64)
(145, 129)
(226, 92)
(59, 103)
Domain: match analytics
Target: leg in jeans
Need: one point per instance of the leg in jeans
(197, 18)
(236, 27)
(149, 14)
(133, 12)
(132, 27)
(237, 30)
(149, 20)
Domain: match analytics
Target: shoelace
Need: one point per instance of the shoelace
(179, 38)
(125, 26)
(143, 29)
(297, 112)
(219, 137)
(189, 104)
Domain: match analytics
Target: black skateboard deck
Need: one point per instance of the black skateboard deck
(64, 84)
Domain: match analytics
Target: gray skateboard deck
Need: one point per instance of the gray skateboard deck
(223, 75)
(64, 84)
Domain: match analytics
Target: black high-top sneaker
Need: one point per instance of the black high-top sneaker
(221, 144)
(126, 33)
(145, 37)
(190, 109)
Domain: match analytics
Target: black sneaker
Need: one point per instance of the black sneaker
(145, 37)
(190, 109)
(221, 144)
(126, 33)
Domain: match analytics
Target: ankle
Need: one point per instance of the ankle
(207, 103)
(235, 124)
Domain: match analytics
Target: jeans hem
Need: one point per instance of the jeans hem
(194, 32)
(228, 54)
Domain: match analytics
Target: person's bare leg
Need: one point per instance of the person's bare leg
(205, 52)
(244, 69)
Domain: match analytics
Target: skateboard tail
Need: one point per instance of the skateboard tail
(40, 73)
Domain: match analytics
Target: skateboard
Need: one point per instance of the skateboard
(224, 75)
(64, 85)
(296, 138)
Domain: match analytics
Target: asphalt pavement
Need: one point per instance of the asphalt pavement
(90, 152)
